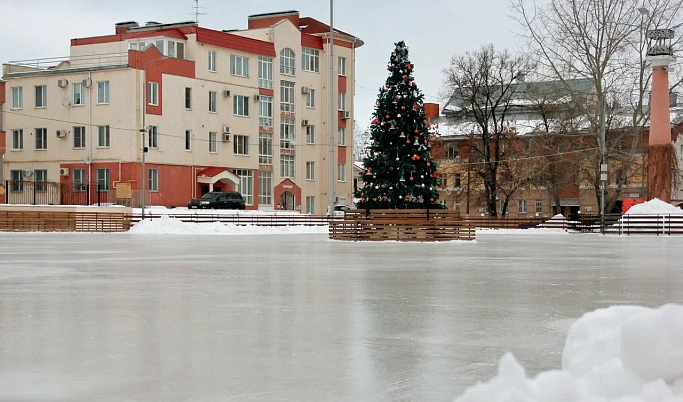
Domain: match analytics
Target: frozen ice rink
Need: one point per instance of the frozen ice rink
(113, 317)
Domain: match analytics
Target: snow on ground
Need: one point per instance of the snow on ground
(654, 207)
(166, 225)
(620, 353)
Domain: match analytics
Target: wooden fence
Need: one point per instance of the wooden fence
(244, 219)
(58, 221)
(401, 225)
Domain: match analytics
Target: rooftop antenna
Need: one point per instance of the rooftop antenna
(195, 11)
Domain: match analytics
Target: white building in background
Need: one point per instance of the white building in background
(242, 110)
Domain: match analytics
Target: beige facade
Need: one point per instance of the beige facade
(211, 101)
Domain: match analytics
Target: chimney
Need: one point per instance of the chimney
(257, 21)
(431, 110)
(122, 27)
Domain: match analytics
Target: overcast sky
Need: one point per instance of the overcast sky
(434, 30)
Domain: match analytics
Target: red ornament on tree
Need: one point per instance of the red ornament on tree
(375, 121)
(403, 108)
(408, 196)
(417, 131)
(412, 178)
(407, 141)
(409, 66)
(429, 164)
(431, 200)
(415, 84)
(388, 117)
(415, 106)
(388, 86)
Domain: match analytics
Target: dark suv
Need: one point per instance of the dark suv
(218, 200)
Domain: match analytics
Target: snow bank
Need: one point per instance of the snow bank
(654, 207)
(166, 225)
(617, 354)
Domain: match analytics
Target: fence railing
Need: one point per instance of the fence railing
(59, 221)
(31, 192)
(243, 219)
(664, 225)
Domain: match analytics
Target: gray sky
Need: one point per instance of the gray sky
(434, 30)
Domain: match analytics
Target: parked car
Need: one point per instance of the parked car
(338, 210)
(218, 200)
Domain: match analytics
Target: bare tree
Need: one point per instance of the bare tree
(600, 40)
(480, 85)
(361, 141)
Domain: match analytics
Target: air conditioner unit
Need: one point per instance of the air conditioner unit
(266, 125)
(226, 93)
(61, 133)
(87, 83)
(62, 83)
(257, 98)
(336, 200)
(226, 130)
(28, 173)
(226, 137)
(305, 90)
(63, 171)
(347, 114)
(304, 122)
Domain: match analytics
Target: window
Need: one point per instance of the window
(240, 145)
(41, 96)
(341, 66)
(265, 187)
(287, 62)
(212, 61)
(103, 136)
(310, 170)
(310, 98)
(239, 66)
(16, 178)
(342, 101)
(287, 166)
(180, 50)
(265, 72)
(287, 134)
(341, 136)
(188, 98)
(79, 94)
(442, 181)
(265, 148)
(212, 143)
(79, 137)
(240, 105)
(246, 185)
(451, 151)
(17, 140)
(265, 111)
(102, 179)
(17, 98)
(212, 101)
(78, 180)
(153, 94)
(521, 206)
(310, 60)
(153, 180)
(457, 180)
(102, 92)
(40, 179)
(456, 205)
(153, 137)
(310, 204)
(539, 206)
(286, 96)
(310, 134)
(160, 45)
(341, 174)
(170, 49)
(41, 138)
(188, 140)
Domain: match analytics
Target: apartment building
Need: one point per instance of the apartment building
(243, 110)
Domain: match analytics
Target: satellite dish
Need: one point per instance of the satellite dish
(88, 160)
(66, 101)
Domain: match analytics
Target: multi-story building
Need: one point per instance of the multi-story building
(242, 110)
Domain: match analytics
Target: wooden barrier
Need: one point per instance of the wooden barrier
(63, 221)
(274, 220)
(401, 225)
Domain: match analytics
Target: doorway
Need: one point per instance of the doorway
(287, 201)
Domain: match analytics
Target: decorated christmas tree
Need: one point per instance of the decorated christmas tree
(398, 171)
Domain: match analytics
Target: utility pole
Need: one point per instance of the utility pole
(331, 119)
(603, 165)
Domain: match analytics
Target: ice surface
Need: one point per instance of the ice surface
(112, 317)
(166, 225)
(621, 353)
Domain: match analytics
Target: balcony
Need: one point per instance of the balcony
(70, 64)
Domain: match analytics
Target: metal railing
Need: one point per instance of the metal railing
(67, 62)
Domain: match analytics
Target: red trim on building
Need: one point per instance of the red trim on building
(236, 42)
(266, 22)
(311, 41)
(311, 26)
(267, 92)
(3, 142)
(287, 185)
(341, 83)
(2, 92)
(341, 154)
(175, 33)
(339, 42)
(341, 121)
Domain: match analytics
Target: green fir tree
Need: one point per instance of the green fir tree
(398, 171)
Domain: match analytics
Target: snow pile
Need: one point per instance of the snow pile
(617, 354)
(166, 225)
(654, 207)
(555, 222)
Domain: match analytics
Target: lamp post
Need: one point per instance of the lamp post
(331, 111)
